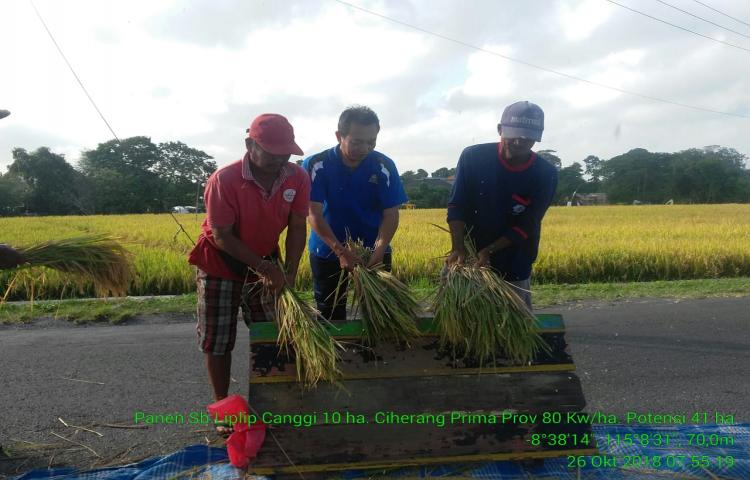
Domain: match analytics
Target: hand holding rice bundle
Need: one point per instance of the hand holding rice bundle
(477, 312)
(97, 258)
(389, 310)
(300, 328)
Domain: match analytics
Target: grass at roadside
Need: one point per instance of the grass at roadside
(119, 310)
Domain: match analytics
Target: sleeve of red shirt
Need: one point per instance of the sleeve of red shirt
(301, 203)
(220, 207)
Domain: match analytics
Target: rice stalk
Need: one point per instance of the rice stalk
(316, 351)
(98, 258)
(477, 312)
(389, 310)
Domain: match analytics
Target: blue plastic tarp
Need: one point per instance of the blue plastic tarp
(721, 451)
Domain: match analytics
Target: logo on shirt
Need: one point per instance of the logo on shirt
(373, 179)
(289, 194)
(520, 204)
(387, 175)
(314, 171)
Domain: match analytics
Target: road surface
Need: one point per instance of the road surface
(648, 356)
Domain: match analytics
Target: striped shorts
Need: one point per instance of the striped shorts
(219, 300)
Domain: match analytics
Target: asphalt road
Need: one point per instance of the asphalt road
(647, 356)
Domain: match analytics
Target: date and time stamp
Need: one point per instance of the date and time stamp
(669, 441)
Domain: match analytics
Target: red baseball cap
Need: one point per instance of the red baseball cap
(274, 134)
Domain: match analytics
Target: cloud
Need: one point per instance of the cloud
(198, 72)
(580, 21)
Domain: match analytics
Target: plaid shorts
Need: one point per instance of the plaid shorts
(218, 302)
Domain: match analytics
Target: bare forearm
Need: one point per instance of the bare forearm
(388, 228)
(457, 229)
(499, 244)
(234, 247)
(324, 231)
(295, 244)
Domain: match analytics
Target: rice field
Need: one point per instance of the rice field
(579, 245)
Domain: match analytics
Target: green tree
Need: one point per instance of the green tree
(51, 182)
(408, 177)
(550, 156)
(570, 179)
(712, 174)
(709, 175)
(428, 194)
(637, 175)
(122, 176)
(13, 192)
(422, 174)
(443, 172)
(593, 168)
(183, 171)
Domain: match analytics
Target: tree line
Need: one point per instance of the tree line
(712, 174)
(137, 176)
(129, 176)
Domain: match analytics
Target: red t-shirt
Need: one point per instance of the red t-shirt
(233, 197)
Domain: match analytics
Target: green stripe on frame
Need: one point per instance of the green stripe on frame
(267, 331)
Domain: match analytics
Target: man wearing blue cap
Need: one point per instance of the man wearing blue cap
(501, 193)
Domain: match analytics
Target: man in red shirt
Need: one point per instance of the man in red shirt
(249, 203)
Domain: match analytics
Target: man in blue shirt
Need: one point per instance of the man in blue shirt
(355, 194)
(501, 193)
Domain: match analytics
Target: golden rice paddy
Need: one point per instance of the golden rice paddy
(579, 245)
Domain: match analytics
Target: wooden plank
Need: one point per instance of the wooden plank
(489, 394)
(265, 332)
(371, 419)
(270, 365)
(343, 447)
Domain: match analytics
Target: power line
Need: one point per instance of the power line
(677, 26)
(73, 71)
(722, 13)
(701, 18)
(538, 67)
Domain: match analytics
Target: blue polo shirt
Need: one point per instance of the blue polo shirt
(353, 199)
(497, 199)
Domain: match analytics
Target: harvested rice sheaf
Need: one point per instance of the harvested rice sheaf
(389, 309)
(96, 258)
(477, 313)
(300, 329)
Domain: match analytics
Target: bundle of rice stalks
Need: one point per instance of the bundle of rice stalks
(96, 258)
(316, 351)
(477, 312)
(389, 310)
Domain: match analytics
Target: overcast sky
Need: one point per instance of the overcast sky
(199, 71)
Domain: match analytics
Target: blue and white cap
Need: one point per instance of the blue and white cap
(522, 120)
